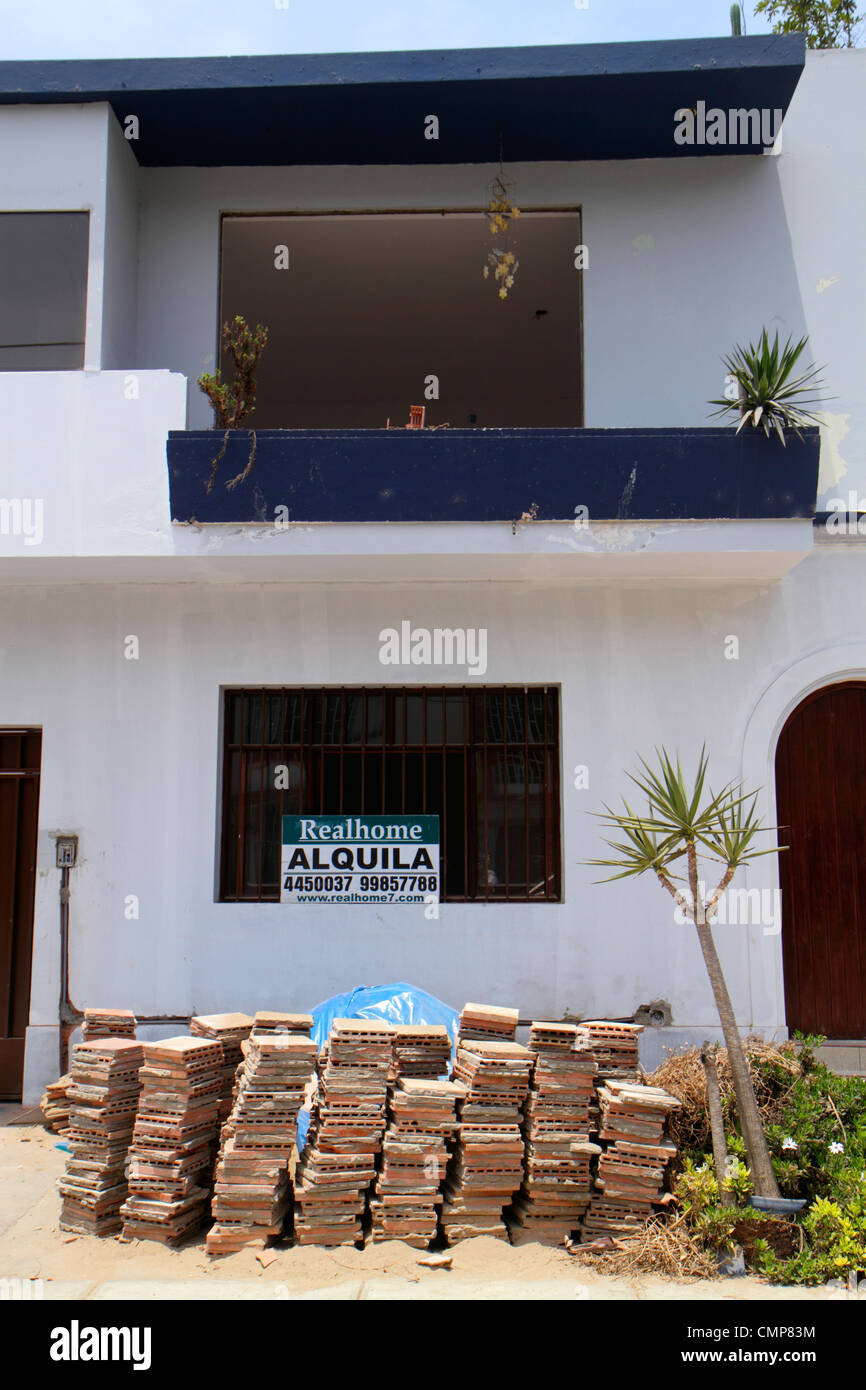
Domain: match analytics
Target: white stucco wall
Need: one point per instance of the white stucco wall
(53, 159)
(822, 177)
(88, 449)
(119, 320)
(130, 762)
(666, 293)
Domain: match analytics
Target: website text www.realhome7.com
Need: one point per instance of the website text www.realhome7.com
(362, 898)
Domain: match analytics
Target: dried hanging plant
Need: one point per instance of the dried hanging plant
(501, 211)
(232, 402)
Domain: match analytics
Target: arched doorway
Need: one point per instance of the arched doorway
(821, 814)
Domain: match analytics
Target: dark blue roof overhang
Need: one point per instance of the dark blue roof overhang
(592, 101)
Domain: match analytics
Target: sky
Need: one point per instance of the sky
(186, 28)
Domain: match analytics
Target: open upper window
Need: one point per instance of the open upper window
(43, 290)
(374, 305)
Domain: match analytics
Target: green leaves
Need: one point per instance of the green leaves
(644, 847)
(826, 23)
(736, 825)
(680, 814)
(770, 396)
(816, 1130)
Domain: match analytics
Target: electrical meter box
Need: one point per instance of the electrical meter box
(67, 851)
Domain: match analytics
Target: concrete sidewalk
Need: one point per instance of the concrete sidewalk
(38, 1260)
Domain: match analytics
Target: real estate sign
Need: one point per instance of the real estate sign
(360, 859)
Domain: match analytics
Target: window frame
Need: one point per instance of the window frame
(83, 289)
(557, 209)
(475, 744)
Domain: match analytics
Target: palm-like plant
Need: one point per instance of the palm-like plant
(769, 396)
(684, 822)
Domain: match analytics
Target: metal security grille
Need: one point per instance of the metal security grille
(483, 759)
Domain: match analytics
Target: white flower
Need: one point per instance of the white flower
(837, 1148)
(789, 1143)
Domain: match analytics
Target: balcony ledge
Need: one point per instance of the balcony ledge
(480, 475)
(621, 554)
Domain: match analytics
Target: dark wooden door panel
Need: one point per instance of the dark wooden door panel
(820, 790)
(20, 756)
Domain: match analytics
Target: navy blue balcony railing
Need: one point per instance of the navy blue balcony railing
(472, 475)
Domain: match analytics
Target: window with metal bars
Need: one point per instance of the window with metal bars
(485, 760)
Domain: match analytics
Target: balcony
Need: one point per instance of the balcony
(491, 475)
(87, 497)
(673, 506)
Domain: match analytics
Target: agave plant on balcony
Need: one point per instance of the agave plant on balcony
(769, 395)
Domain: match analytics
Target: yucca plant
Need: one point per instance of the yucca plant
(690, 822)
(770, 397)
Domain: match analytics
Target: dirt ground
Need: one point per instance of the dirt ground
(33, 1248)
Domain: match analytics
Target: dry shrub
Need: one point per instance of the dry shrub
(661, 1246)
(783, 1237)
(682, 1074)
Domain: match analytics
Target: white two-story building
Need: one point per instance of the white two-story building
(487, 622)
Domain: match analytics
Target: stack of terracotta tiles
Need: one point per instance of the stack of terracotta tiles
(422, 1050)
(631, 1171)
(614, 1046)
(421, 1117)
(252, 1185)
(108, 1023)
(345, 1136)
(229, 1030)
(487, 1165)
(267, 1023)
(557, 1183)
(175, 1131)
(103, 1096)
(487, 1022)
(615, 1049)
(55, 1104)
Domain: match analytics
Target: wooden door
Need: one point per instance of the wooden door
(821, 813)
(20, 760)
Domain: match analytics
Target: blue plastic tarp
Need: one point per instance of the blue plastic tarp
(400, 1003)
(397, 1003)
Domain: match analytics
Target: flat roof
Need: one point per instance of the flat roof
(563, 102)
